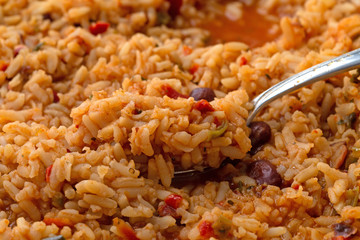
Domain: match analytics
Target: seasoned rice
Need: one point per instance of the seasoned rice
(96, 118)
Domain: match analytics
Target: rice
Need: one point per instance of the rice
(96, 120)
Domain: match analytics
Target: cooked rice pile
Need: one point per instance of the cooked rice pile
(95, 122)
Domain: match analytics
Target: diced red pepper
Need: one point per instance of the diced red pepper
(296, 186)
(17, 49)
(166, 210)
(203, 106)
(3, 66)
(187, 50)
(173, 200)
(194, 68)
(171, 93)
(217, 121)
(206, 230)
(60, 222)
(99, 27)
(243, 61)
(126, 231)
(48, 172)
(174, 8)
(56, 97)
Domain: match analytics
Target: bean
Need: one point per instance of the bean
(203, 93)
(344, 230)
(260, 134)
(264, 173)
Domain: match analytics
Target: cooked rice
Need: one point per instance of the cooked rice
(89, 141)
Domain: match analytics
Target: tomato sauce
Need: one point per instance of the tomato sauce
(252, 28)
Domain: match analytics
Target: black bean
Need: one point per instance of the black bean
(344, 230)
(203, 93)
(264, 173)
(260, 134)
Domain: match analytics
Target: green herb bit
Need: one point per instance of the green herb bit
(240, 186)
(142, 78)
(350, 119)
(91, 96)
(38, 46)
(249, 188)
(58, 237)
(350, 160)
(356, 197)
(163, 18)
(267, 76)
(340, 122)
(218, 131)
(222, 226)
(352, 196)
(58, 200)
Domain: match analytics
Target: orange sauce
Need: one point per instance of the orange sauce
(252, 29)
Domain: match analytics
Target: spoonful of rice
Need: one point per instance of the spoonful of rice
(325, 70)
(330, 68)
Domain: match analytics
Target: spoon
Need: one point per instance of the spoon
(330, 68)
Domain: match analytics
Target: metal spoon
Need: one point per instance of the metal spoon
(335, 66)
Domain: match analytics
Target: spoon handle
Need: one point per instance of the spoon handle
(343, 63)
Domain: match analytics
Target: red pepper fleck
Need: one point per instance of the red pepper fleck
(98, 27)
(206, 229)
(48, 172)
(243, 61)
(3, 66)
(166, 210)
(194, 68)
(171, 93)
(217, 121)
(296, 186)
(187, 50)
(174, 8)
(56, 97)
(173, 200)
(17, 49)
(203, 106)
